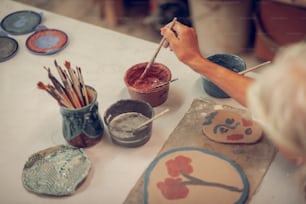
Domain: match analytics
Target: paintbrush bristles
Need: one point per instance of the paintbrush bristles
(71, 92)
(74, 81)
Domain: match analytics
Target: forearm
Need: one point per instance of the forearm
(234, 84)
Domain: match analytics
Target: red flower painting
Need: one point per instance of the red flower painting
(173, 189)
(178, 165)
(180, 170)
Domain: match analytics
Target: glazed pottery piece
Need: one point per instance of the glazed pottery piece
(8, 47)
(229, 61)
(83, 127)
(21, 22)
(56, 171)
(226, 126)
(122, 119)
(146, 88)
(194, 175)
(47, 41)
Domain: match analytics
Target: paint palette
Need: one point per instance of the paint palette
(226, 126)
(56, 171)
(47, 41)
(194, 175)
(21, 22)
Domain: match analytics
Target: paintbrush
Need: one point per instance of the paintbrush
(163, 40)
(255, 67)
(82, 85)
(67, 84)
(150, 120)
(70, 90)
(59, 87)
(74, 81)
(165, 83)
(52, 91)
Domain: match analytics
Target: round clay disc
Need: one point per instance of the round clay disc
(47, 41)
(8, 48)
(230, 127)
(21, 22)
(56, 171)
(194, 175)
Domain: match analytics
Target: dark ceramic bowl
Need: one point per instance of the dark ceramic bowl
(129, 138)
(229, 61)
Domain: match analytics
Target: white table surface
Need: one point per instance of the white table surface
(30, 119)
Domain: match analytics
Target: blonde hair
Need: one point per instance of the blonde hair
(278, 99)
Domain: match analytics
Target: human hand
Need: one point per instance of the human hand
(183, 41)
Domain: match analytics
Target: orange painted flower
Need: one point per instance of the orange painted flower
(173, 189)
(178, 165)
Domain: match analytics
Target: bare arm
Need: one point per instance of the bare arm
(184, 43)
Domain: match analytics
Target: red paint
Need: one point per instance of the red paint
(144, 89)
(235, 137)
(156, 75)
(180, 164)
(247, 123)
(173, 189)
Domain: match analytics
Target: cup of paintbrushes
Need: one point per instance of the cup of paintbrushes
(81, 123)
(83, 127)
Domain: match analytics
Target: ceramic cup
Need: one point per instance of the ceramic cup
(123, 117)
(229, 61)
(146, 89)
(83, 127)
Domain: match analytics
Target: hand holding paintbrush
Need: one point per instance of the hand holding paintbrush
(163, 42)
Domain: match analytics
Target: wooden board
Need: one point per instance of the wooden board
(254, 159)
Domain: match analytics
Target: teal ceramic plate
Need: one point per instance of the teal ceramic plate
(21, 22)
(56, 171)
(8, 48)
(47, 41)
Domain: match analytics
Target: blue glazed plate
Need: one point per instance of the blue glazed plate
(8, 48)
(47, 41)
(21, 22)
(56, 171)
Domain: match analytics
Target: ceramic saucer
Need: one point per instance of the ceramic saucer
(8, 48)
(47, 41)
(21, 22)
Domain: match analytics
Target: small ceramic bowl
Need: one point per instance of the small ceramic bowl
(147, 88)
(229, 61)
(122, 119)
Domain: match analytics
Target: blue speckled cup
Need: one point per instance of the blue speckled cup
(229, 61)
(83, 127)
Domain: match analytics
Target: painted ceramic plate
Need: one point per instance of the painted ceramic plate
(8, 48)
(194, 175)
(226, 126)
(21, 22)
(56, 171)
(47, 41)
